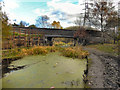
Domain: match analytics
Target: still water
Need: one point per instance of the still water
(52, 70)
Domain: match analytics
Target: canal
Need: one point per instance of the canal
(51, 70)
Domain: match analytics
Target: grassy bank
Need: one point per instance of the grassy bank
(108, 48)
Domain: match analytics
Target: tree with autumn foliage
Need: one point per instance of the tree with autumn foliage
(111, 27)
(6, 27)
(101, 13)
(56, 25)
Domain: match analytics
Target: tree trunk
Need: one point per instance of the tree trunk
(102, 29)
(114, 40)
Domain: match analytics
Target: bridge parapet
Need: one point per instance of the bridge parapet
(47, 32)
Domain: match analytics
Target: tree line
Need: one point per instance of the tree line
(101, 15)
(41, 22)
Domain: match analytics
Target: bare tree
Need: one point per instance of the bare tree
(101, 12)
(79, 20)
(23, 24)
(41, 21)
(82, 19)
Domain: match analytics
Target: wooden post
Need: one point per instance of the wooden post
(38, 38)
(35, 38)
(19, 32)
(13, 38)
(28, 37)
(36, 35)
(43, 40)
(32, 38)
(25, 39)
(8, 43)
(31, 41)
(20, 35)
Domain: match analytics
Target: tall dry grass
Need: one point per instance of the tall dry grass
(74, 52)
(37, 50)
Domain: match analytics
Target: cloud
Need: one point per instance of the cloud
(8, 7)
(65, 11)
(61, 10)
(58, 10)
(10, 4)
(65, 6)
(53, 15)
(39, 11)
(59, 14)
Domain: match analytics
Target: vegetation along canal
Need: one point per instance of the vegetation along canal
(51, 70)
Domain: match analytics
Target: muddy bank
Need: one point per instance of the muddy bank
(5, 63)
(103, 71)
(85, 75)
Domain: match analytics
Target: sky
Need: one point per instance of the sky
(64, 11)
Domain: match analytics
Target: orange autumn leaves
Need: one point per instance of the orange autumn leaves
(56, 25)
(72, 52)
(37, 50)
(75, 52)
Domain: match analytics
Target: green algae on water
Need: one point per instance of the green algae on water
(46, 71)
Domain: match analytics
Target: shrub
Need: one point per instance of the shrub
(59, 43)
(34, 51)
(74, 52)
(37, 50)
(10, 53)
(51, 49)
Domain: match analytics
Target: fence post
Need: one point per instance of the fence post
(13, 37)
(38, 39)
(28, 37)
(31, 42)
(19, 36)
(25, 39)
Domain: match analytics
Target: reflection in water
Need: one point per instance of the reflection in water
(52, 70)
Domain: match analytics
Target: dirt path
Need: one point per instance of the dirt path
(103, 71)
